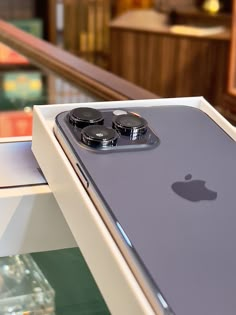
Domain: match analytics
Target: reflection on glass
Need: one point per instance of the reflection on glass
(61, 92)
(124, 234)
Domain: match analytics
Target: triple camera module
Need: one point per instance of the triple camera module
(110, 129)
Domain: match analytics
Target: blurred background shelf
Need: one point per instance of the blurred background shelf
(31, 9)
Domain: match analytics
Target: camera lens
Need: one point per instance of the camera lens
(84, 116)
(99, 136)
(130, 125)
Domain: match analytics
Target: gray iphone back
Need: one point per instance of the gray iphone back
(182, 229)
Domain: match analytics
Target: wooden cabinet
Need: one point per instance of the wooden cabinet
(147, 53)
(229, 109)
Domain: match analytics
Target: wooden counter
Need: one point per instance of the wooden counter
(145, 51)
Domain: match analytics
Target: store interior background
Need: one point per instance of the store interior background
(135, 39)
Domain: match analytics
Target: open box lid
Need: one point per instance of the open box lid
(109, 268)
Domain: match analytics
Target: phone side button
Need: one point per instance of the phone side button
(83, 177)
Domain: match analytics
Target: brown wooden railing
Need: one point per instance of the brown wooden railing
(98, 81)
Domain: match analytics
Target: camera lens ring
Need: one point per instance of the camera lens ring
(130, 125)
(98, 136)
(85, 116)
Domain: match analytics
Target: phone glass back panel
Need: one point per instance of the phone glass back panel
(175, 204)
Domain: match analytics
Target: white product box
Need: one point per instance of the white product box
(113, 276)
(30, 218)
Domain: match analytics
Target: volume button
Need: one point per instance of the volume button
(82, 176)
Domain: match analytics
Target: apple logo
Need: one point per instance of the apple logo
(193, 189)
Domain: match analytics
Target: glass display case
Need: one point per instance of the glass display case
(50, 76)
(23, 287)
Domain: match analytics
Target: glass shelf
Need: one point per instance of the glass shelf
(23, 288)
